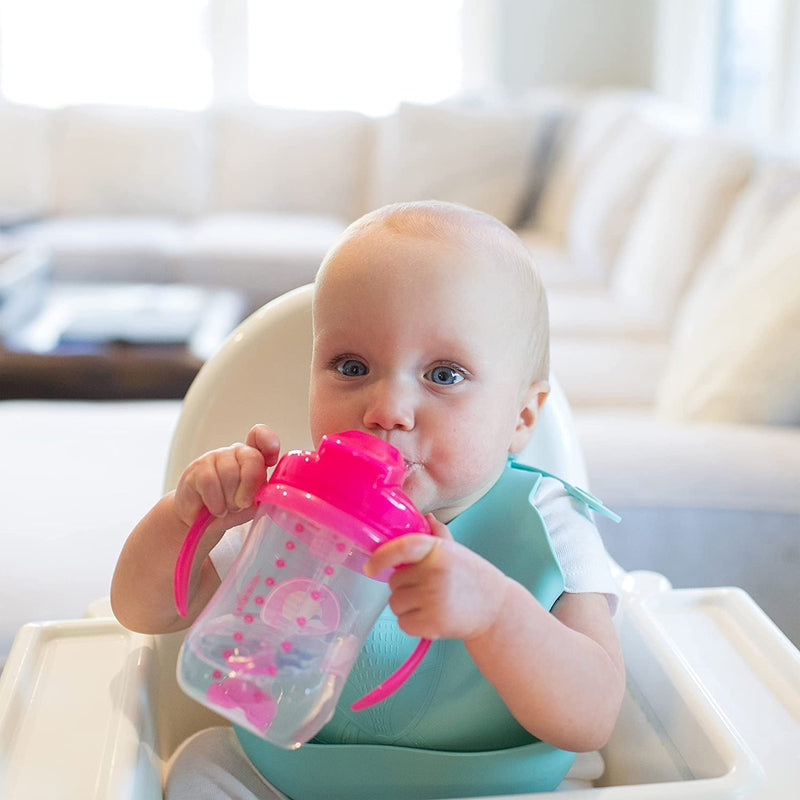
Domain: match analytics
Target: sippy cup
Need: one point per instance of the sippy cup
(274, 646)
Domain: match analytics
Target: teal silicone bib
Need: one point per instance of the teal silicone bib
(446, 733)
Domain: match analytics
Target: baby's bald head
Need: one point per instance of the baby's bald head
(507, 265)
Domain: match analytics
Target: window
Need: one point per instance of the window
(135, 52)
(749, 64)
(359, 54)
(356, 54)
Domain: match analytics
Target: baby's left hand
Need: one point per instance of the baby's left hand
(440, 589)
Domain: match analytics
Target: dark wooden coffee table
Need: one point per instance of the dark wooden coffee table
(115, 341)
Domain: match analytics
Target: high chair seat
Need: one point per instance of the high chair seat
(261, 374)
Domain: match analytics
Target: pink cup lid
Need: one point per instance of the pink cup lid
(352, 484)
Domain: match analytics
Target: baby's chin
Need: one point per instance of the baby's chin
(419, 490)
(447, 507)
(444, 500)
(428, 501)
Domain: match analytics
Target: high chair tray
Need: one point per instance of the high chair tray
(75, 720)
(712, 710)
(734, 669)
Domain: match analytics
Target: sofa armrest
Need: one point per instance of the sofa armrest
(636, 460)
(703, 504)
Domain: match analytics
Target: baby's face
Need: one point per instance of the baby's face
(414, 342)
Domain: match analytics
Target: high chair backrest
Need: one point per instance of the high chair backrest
(261, 373)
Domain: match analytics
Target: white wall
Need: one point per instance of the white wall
(684, 62)
(586, 43)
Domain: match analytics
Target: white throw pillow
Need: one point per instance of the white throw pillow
(742, 364)
(115, 160)
(581, 144)
(682, 212)
(24, 161)
(762, 200)
(479, 156)
(606, 200)
(292, 161)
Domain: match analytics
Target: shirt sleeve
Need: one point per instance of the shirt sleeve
(224, 552)
(576, 542)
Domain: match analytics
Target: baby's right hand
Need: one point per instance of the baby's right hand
(226, 480)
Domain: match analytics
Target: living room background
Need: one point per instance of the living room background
(726, 59)
(168, 167)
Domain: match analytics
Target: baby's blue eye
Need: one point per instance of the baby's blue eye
(352, 368)
(444, 376)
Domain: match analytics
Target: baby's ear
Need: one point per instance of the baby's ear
(531, 404)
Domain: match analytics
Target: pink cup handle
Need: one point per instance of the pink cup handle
(183, 564)
(395, 680)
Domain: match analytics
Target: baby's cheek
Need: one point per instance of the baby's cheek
(456, 480)
(419, 487)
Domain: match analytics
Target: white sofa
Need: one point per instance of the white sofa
(673, 258)
(637, 215)
(246, 197)
(671, 253)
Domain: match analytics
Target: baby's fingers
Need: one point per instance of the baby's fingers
(438, 529)
(266, 441)
(252, 474)
(224, 481)
(409, 549)
(218, 481)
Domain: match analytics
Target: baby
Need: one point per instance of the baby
(430, 332)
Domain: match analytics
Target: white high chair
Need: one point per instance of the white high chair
(89, 710)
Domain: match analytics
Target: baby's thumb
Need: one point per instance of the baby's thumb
(438, 529)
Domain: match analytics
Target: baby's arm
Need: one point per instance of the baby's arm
(226, 482)
(561, 674)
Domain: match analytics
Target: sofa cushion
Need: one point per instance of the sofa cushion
(609, 194)
(621, 372)
(272, 160)
(480, 156)
(590, 310)
(581, 143)
(741, 363)
(556, 268)
(262, 254)
(762, 200)
(115, 160)
(109, 248)
(682, 212)
(24, 161)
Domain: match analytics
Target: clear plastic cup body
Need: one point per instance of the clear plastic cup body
(273, 648)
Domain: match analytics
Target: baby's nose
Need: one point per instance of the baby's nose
(389, 406)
